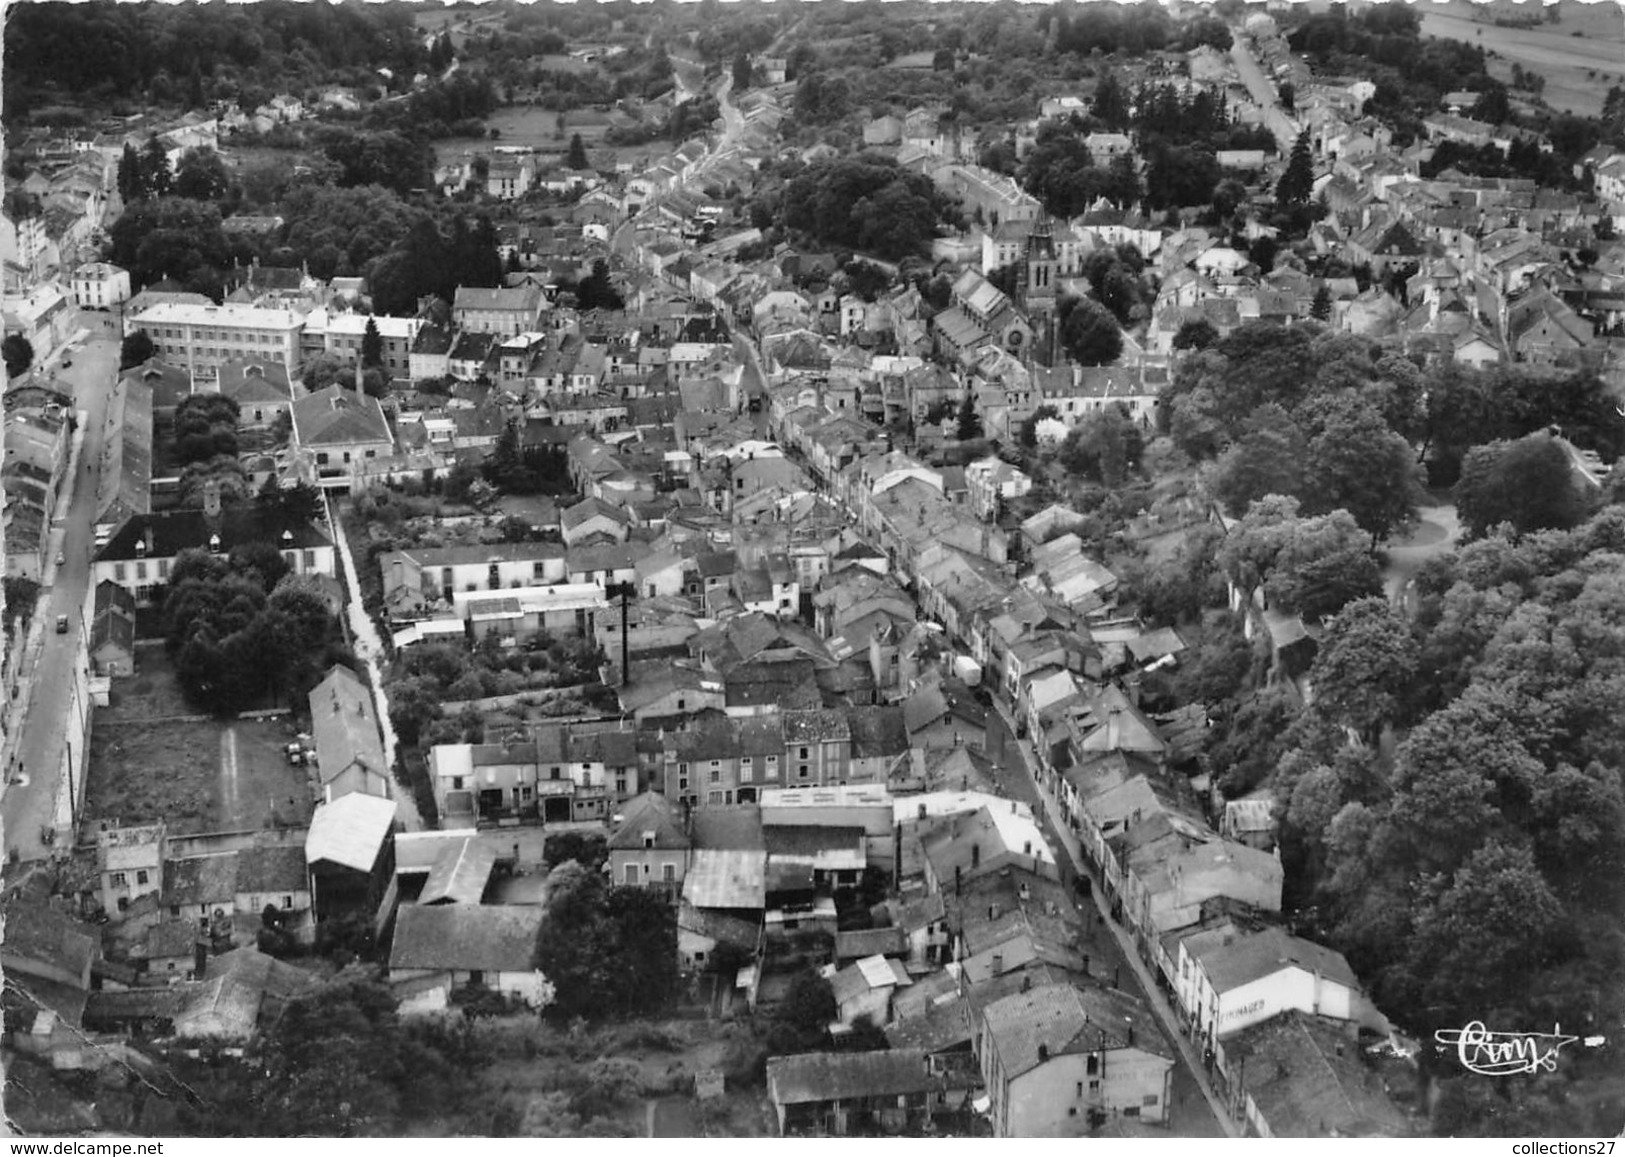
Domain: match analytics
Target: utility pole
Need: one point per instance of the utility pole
(623, 591)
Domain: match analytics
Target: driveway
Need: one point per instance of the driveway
(1434, 535)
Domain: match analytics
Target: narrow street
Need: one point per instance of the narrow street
(370, 649)
(1263, 90)
(1196, 1110)
(47, 702)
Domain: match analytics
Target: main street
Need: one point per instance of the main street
(1195, 1110)
(1263, 91)
(55, 714)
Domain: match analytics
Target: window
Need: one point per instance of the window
(118, 572)
(682, 783)
(287, 901)
(714, 798)
(141, 876)
(163, 568)
(803, 771)
(555, 773)
(631, 876)
(119, 880)
(1080, 1088)
(804, 753)
(1092, 1065)
(310, 560)
(772, 763)
(668, 873)
(746, 769)
(716, 773)
(1149, 1100)
(680, 702)
(1094, 1086)
(620, 784)
(457, 783)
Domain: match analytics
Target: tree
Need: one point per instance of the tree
(1105, 446)
(1089, 333)
(577, 158)
(136, 349)
(1322, 566)
(201, 176)
(205, 426)
(1268, 459)
(970, 422)
(1196, 334)
(1321, 307)
(597, 291)
(19, 354)
(324, 370)
(156, 174)
(1528, 484)
(943, 60)
(1298, 182)
(1360, 465)
(131, 181)
(741, 71)
(1366, 662)
(505, 468)
(372, 345)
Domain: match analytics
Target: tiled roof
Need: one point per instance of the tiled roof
(467, 938)
(337, 416)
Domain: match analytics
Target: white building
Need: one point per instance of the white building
(99, 285)
(201, 337)
(1227, 982)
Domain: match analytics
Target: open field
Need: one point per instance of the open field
(207, 775)
(1587, 38)
(534, 128)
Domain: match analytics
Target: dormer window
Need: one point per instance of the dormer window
(214, 544)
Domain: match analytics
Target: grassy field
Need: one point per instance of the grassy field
(1580, 55)
(198, 776)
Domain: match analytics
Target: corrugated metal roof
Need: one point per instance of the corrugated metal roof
(460, 873)
(349, 831)
(727, 879)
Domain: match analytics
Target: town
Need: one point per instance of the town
(873, 570)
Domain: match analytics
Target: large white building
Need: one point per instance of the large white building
(99, 285)
(343, 334)
(201, 337)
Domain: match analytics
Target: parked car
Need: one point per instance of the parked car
(62, 624)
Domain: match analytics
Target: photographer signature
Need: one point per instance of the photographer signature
(1501, 1054)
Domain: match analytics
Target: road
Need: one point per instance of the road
(53, 711)
(1262, 89)
(1195, 1110)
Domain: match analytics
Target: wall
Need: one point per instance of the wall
(1290, 988)
(1040, 1100)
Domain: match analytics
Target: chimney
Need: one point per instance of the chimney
(148, 540)
(998, 963)
(1043, 1053)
